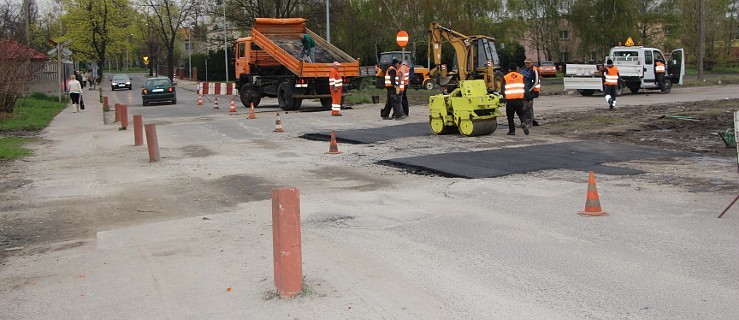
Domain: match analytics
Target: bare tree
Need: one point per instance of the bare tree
(16, 73)
(168, 16)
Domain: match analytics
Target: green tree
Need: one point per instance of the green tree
(96, 26)
(601, 24)
(717, 29)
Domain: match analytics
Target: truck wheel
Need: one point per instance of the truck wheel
(285, 98)
(668, 85)
(620, 90)
(428, 84)
(249, 94)
(634, 89)
(363, 85)
(586, 93)
(326, 103)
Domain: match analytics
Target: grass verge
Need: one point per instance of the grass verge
(30, 116)
(11, 148)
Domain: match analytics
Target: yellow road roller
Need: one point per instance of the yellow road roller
(469, 107)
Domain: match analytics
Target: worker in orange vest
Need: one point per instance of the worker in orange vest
(532, 83)
(336, 85)
(610, 83)
(393, 90)
(405, 80)
(513, 91)
(659, 72)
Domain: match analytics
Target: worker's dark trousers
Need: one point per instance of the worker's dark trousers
(392, 104)
(611, 91)
(661, 81)
(404, 101)
(513, 107)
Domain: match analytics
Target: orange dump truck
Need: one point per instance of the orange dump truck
(268, 64)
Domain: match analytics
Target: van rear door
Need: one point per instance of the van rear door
(676, 66)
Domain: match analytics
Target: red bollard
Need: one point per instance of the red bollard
(124, 116)
(152, 143)
(286, 239)
(117, 111)
(138, 130)
(105, 102)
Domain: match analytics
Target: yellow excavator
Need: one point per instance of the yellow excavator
(475, 81)
(475, 57)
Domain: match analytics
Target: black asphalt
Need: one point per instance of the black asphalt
(578, 155)
(372, 135)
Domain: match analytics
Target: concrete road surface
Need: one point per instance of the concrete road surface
(114, 236)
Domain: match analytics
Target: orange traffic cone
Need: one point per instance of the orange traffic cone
(200, 100)
(278, 124)
(252, 115)
(592, 204)
(333, 148)
(233, 106)
(215, 104)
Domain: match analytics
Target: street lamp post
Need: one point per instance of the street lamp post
(127, 65)
(189, 52)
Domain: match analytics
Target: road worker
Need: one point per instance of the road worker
(659, 72)
(405, 80)
(532, 85)
(610, 83)
(336, 85)
(393, 90)
(513, 91)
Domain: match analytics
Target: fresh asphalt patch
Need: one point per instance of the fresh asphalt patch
(372, 135)
(578, 155)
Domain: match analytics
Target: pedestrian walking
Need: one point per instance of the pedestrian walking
(393, 89)
(513, 91)
(75, 92)
(610, 83)
(309, 48)
(336, 85)
(659, 72)
(84, 79)
(532, 85)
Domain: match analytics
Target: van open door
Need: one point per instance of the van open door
(676, 66)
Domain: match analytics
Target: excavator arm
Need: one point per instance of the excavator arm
(469, 66)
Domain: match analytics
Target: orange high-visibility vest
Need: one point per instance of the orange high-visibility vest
(388, 82)
(514, 86)
(660, 67)
(611, 76)
(334, 80)
(537, 87)
(404, 77)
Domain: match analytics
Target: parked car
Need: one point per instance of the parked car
(158, 89)
(120, 81)
(548, 69)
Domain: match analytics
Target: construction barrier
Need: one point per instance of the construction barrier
(217, 88)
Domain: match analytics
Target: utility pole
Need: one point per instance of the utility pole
(701, 37)
(225, 39)
(328, 23)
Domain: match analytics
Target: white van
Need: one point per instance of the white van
(636, 66)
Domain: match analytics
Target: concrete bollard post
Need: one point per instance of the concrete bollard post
(138, 130)
(287, 247)
(124, 116)
(117, 111)
(152, 143)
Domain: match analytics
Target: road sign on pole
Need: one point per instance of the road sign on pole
(402, 38)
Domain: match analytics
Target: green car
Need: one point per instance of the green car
(159, 89)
